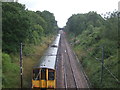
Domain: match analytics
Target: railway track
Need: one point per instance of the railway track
(69, 71)
(69, 78)
(65, 81)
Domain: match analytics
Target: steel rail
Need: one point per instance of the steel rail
(71, 66)
(83, 72)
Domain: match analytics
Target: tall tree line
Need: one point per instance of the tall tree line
(88, 33)
(22, 25)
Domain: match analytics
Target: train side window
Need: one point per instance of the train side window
(36, 74)
(51, 74)
(43, 74)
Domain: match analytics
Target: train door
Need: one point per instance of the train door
(51, 79)
(43, 82)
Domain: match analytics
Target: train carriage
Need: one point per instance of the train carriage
(44, 73)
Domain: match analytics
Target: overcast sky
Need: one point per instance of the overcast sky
(63, 9)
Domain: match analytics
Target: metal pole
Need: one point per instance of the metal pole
(21, 64)
(102, 67)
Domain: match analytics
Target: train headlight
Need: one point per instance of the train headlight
(50, 86)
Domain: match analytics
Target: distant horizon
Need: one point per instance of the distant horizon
(63, 9)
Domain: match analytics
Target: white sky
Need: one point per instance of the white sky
(63, 9)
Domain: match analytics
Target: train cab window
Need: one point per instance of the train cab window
(36, 75)
(51, 74)
(53, 46)
(43, 74)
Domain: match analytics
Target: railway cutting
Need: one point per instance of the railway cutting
(69, 72)
(58, 67)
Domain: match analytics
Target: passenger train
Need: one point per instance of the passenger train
(44, 73)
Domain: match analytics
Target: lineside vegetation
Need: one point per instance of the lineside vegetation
(34, 29)
(88, 33)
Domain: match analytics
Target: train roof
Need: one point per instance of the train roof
(51, 51)
(47, 62)
(56, 41)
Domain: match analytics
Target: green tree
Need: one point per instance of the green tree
(79, 22)
(51, 22)
(15, 25)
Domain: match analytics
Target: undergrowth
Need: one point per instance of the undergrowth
(11, 68)
(87, 53)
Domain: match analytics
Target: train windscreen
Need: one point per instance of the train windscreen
(36, 75)
(51, 74)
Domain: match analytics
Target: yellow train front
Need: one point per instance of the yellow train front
(46, 78)
(44, 73)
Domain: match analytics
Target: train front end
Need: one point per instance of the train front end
(44, 78)
(44, 73)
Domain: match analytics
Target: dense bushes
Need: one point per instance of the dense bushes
(88, 33)
(10, 76)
